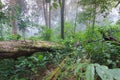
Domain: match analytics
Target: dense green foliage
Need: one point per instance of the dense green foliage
(84, 57)
(90, 55)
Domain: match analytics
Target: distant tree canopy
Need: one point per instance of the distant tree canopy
(93, 7)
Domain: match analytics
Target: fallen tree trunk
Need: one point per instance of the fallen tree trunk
(110, 39)
(15, 49)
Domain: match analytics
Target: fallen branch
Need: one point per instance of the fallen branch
(57, 71)
(110, 39)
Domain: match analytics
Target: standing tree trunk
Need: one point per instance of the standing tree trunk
(13, 21)
(62, 19)
(47, 15)
(94, 16)
(14, 28)
(75, 24)
(1, 28)
(1, 31)
(47, 12)
(44, 9)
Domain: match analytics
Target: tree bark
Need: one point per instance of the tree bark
(44, 9)
(1, 31)
(62, 19)
(75, 23)
(47, 12)
(12, 20)
(94, 16)
(15, 49)
(49, 15)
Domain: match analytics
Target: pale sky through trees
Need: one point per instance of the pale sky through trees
(31, 4)
(35, 13)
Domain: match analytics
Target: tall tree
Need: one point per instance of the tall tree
(2, 16)
(94, 7)
(16, 8)
(62, 19)
(12, 15)
(94, 14)
(76, 13)
(50, 14)
(47, 12)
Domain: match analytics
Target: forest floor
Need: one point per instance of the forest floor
(43, 72)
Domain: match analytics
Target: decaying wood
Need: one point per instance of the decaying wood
(110, 39)
(14, 49)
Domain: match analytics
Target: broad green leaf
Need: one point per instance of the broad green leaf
(40, 57)
(104, 73)
(90, 72)
(78, 67)
(115, 73)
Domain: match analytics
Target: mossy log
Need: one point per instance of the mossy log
(15, 49)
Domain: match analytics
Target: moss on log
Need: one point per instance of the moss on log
(14, 49)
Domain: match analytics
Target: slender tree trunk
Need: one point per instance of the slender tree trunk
(23, 33)
(62, 19)
(22, 5)
(75, 25)
(13, 21)
(44, 9)
(94, 16)
(1, 31)
(1, 28)
(49, 14)
(14, 28)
